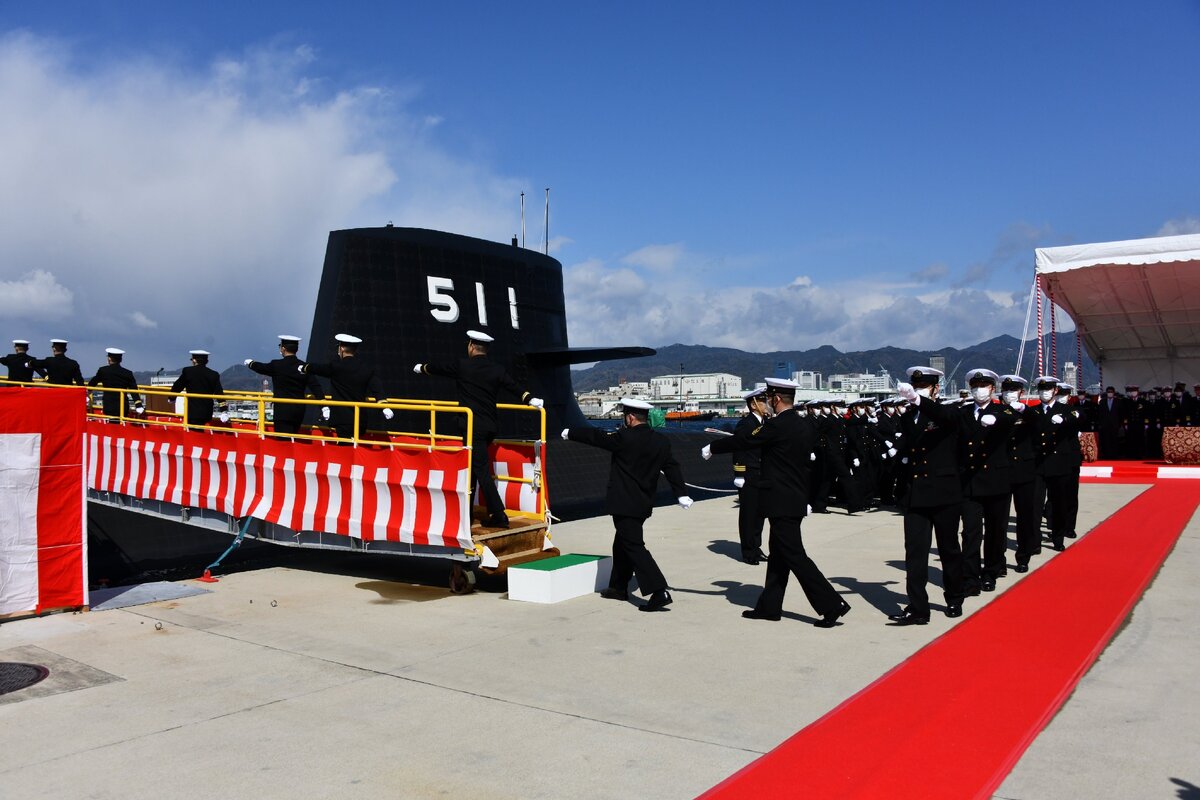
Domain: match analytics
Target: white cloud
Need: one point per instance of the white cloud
(139, 191)
(657, 257)
(557, 243)
(1179, 226)
(142, 321)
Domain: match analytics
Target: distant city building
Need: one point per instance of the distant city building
(784, 369)
(1070, 374)
(806, 379)
(938, 363)
(861, 383)
(707, 385)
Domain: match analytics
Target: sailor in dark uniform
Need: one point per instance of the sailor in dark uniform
(639, 454)
(1133, 424)
(987, 483)
(787, 442)
(747, 471)
(931, 494)
(114, 376)
(288, 383)
(20, 364)
(479, 381)
(1060, 459)
(1024, 482)
(351, 380)
(58, 368)
(199, 379)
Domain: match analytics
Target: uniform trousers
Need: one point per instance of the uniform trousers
(1025, 497)
(287, 423)
(788, 555)
(921, 526)
(481, 473)
(750, 518)
(630, 557)
(984, 538)
(1062, 492)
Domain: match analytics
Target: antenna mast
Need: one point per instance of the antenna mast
(522, 220)
(547, 220)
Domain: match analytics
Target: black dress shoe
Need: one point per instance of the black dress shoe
(1002, 573)
(972, 592)
(498, 521)
(954, 611)
(989, 585)
(1070, 535)
(829, 620)
(1058, 545)
(614, 594)
(657, 602)
(753, 557)
(754, 613)
(1021, 568)
(907, 617)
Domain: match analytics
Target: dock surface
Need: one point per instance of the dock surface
(288, 683)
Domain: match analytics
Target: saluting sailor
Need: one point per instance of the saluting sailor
(478, 381)
(288, 382)
(1024, 482)
(20, 364)
(351, 380)
(1060, 459)
(786, 442)
(199, 379)
(747, 469)
(931, 494)
(58, 368)
(639, 454)
(114, 376)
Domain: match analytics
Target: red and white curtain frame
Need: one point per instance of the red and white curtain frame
(394, 495)
(1046, 306)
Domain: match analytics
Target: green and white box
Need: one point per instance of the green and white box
(560, 578)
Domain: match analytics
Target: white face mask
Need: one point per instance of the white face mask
(982, 394)
(1045, 395)
(1010, 397)
(926, 391)
(802, 412)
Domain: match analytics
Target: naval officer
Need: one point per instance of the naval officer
(639, 454)
(199, 379)
(931, 495)
(786, 442)
(114, 376)
(58, 368)
(351, 380)
(478, 381)
(288, 382)
(20, 364)
(1025, 483)
(747, 470)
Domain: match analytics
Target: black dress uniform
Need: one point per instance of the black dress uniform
(20, 365)
(1106, 420)
(1061, 458)
(931, 499)
(1133, 424)
(198, 379)
(115, 376)
(747, 465)
(288, 382)
(60, 370)
(786, 441)
(351, 380)
(639, 454)
(478, 382)
(1026, 484)
(986, 486)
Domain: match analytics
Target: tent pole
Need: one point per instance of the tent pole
(1053, 336)
(1041, 362)
(1025, 330)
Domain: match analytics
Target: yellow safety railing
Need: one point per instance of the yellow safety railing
(537, 481)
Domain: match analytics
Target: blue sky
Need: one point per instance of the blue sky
(778, 175)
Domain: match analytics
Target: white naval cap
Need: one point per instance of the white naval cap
(199, 353)
(21, 341)
(1014, 379)
(782, 384)
(923, 372)
(982, 374)
(287, 337)
(1049, 380)
(58, 341)
(479, 336)
(636, 405)
(813, 403)
(753, 393)
(114, 351)
(1066, 388)
(346, 338)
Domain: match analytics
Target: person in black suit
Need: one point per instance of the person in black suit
(1106, 419)
(931, 495)
(288, 382)
(114, 376)
(1057, 427)
(478, 381)
(351, 380)
(20, 364)
(747, 471)
(787, 442)
(639, 454)
(986, 483)
(1025, 484)
(58, 368)
(1134, 419)
(199, 379)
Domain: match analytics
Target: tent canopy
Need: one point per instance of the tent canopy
(1136, 305)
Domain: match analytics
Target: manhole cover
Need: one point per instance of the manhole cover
(15, 676)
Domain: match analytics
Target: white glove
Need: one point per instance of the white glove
(537, 402)
(812, 456)
(889, 444)
(223, 417)
(899, 434)
(904, 460)
(987, 420)
(892, 452)
(1056, 419)
(139, 409)
(248, 361)
(739, 483)
(417, 368)
(566, 433)
(1017, 406)
(325, 413)
(906, 391)
(300, 367)
(1080, 435)
(388, 413)
(855, 462)
(706, 452)
(685, 502)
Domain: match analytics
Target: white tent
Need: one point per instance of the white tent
(1136, 305)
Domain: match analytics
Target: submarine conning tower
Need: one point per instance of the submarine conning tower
(412, 294)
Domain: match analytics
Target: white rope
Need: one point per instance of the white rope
(1025, 330)
(710, 489)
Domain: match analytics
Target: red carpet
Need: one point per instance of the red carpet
(952, 720)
